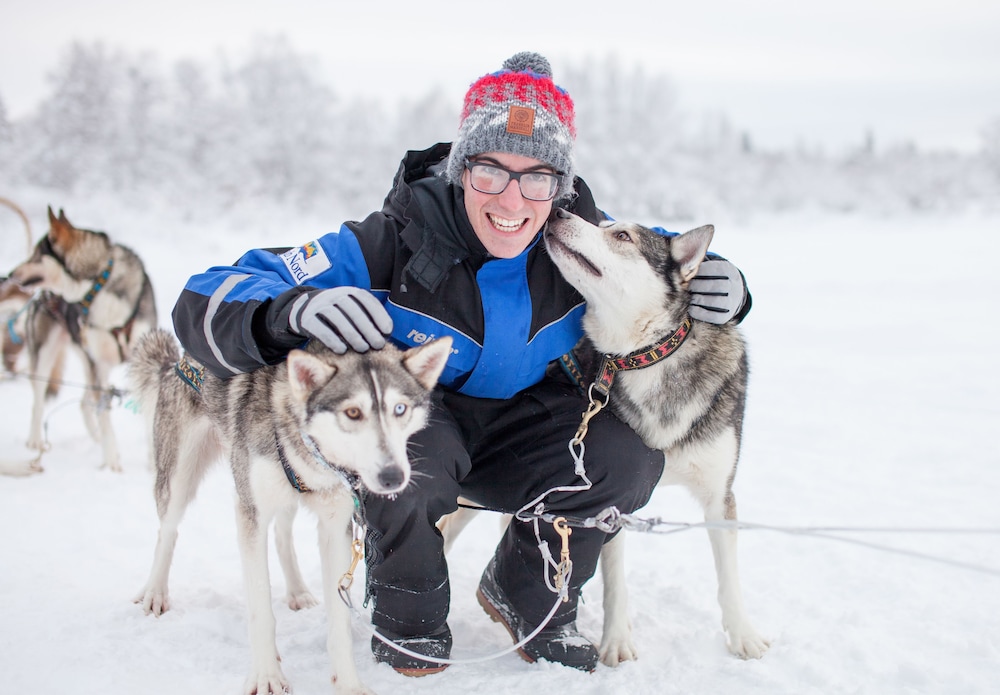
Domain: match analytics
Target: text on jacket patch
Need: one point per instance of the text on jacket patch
(306, 262)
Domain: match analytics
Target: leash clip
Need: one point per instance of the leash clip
(593, 409)
(565, 566)
(357, 552)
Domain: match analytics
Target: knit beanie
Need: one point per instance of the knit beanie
(518, 110)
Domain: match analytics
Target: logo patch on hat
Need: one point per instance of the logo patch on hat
(521, 120)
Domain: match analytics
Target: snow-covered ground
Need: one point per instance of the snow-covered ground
(873, 405)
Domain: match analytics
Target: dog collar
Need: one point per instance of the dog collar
(350, 481)
(646, 357)
(293, 478)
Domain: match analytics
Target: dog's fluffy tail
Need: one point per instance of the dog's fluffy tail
(154, 355)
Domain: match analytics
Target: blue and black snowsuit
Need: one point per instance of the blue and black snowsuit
(500, 430)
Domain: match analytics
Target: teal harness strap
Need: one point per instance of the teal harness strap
(11, 331)
(99, 283)
(191, 375)
(571, 367)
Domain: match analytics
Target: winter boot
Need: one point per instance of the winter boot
(562, 644)
(437, 644)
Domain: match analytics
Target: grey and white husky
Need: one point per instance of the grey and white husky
(92, 296)
(305, 430)
(689, 404)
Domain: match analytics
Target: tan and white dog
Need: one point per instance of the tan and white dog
(92, 296)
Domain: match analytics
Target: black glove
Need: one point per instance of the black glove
(717, 291)
(341, 317)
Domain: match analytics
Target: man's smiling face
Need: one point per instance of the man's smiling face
(507, 222)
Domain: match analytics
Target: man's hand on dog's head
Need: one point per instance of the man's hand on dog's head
(718, 291)
(341, 318)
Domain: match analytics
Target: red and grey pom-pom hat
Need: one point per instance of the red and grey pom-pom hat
(518, 110)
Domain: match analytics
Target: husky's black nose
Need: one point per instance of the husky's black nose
(391, 478)
(560, 213)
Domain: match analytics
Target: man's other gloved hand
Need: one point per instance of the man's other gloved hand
(717, 291)
(341, 318)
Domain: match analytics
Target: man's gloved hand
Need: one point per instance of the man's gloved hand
(341, 317)
(717, 291)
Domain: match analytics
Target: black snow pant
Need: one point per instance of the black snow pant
(500, 454)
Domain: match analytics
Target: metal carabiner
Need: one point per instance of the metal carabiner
(565, 564)
(357, 552)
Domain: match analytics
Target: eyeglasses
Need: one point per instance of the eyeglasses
(493, 179)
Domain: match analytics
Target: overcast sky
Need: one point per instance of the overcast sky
(787, 71)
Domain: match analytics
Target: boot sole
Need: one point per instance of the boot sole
(420, 672)
(497, 618)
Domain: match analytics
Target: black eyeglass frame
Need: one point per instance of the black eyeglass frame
(515, 176)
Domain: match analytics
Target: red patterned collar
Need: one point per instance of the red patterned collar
(646, 357)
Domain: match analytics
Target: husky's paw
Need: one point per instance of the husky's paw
(113, 464)
(22, 467)
(300, 600)
(153, 600)
(349, 683)
(270, 681)
(747, 644)
(36, 442)
(616, 649)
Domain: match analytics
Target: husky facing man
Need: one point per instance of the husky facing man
(456, 251)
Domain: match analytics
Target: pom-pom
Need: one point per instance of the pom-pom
(528, 60)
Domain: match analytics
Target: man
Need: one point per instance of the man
(456, 251)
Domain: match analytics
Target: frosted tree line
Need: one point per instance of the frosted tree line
(272, 127)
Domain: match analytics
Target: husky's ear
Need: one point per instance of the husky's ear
(689, 250)
(61, 232)
(426, 362)
(306, 373)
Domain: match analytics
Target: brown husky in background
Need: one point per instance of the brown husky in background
(94, 297)
(13, 300)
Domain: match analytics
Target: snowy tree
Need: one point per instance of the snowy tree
(211, 154)
(142, 149)
(208, 136)
(74, 134)
(364, 156)
(191, 127)
(6, 140)
(426, 120)
(991, 144)
(286, 120)
(630, 128)
(6, 134)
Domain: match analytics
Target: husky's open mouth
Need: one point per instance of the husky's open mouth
(574, 254)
